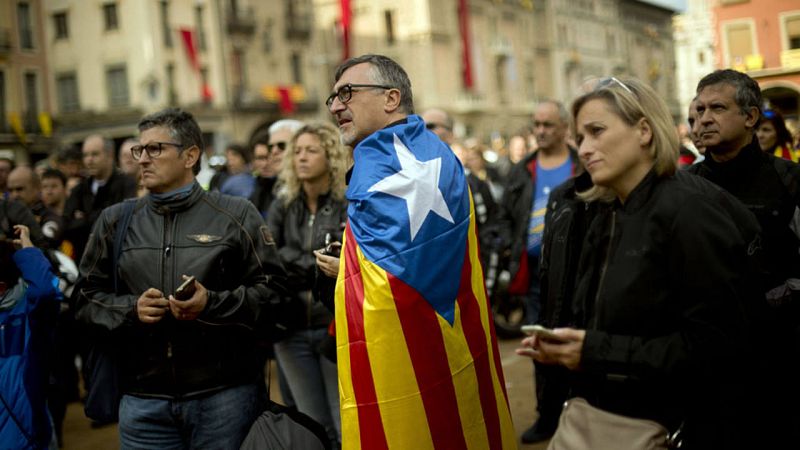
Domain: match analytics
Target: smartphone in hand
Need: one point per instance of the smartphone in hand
(186, 290)
(545, 334)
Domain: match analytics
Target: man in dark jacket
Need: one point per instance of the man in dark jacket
(104, 187)
(25, 186)
(728, 111)
(191, 369)
(523, 217)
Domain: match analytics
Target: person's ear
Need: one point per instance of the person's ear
(752, 115)
(192, 155)
(392, 102)
(645, 132)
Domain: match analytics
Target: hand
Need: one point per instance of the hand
(151, 306)
(189, 309)
(567, 354)
(24, 234)
(329, 265)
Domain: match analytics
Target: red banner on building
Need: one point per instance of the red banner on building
(466, 50)
(347, 18)
(187, 36)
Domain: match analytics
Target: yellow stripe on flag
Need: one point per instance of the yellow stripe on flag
(402, 410)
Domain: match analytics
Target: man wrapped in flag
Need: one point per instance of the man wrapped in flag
(418, 360)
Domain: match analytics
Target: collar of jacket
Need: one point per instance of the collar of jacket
(640, 194)
(172, 206)
(737, 169)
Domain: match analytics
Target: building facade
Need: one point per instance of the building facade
(25, 97)
(762, 38)
(694, 49)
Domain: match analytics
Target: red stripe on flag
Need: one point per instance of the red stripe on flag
(476, 340)
(426, 348)
(498, 367)
(370, 424)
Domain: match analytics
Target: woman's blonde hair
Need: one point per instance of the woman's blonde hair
(338, 160)
(631, 100)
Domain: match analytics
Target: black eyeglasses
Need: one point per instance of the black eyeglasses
(345, 92)
(280, 145)
(153, 149)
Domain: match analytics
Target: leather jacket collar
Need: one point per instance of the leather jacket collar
(172, 206)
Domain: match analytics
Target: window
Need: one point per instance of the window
(24, 25)
(297, 68)
(792, 25)
(3, 121)
(60, 24)
(701, 58)
(110, 16)
(740, 42)
(67, 90)
(31, 100)
(389, 20)
(165, 30)
(201, 35)
(117, 85)
(171, 93)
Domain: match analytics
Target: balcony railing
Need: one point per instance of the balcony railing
(790, 59)
(241, 21)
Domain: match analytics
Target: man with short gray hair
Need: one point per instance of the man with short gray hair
(187, 300)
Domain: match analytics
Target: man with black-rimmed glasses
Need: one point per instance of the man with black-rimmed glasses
(190, 372)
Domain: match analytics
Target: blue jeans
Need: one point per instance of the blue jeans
(312, 378)
(219, 421)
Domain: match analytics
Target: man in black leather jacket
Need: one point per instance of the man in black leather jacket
(191, 369)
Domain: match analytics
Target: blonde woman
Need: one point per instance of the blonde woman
(309, 212)
(658, 294)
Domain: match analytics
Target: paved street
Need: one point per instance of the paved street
(518, 372)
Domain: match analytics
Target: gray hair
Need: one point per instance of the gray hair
(384, 71)
(182, 127)
(748, 93)
(563, 114)
(288, 124)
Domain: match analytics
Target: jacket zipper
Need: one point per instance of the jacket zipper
(605, 267)
(169, 228)
(309, 241)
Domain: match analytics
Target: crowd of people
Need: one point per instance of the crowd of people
(664, 259)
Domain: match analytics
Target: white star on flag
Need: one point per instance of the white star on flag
(418, 184)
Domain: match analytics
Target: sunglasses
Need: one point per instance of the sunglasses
(281, 146)
(432, 126)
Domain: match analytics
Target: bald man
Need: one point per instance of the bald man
(438, 121)
(25, 187)
(104, 187)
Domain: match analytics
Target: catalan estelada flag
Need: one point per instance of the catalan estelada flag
(418, 359)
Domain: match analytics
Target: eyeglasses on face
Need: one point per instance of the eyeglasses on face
(281, 146)
(153, 149)
(345, 92)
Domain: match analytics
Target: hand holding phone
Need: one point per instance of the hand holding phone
(545, 334)
(186, 290)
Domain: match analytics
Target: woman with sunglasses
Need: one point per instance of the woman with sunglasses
(658, 294)
(774, 137)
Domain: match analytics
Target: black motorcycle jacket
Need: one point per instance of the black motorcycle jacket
(219, 239)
